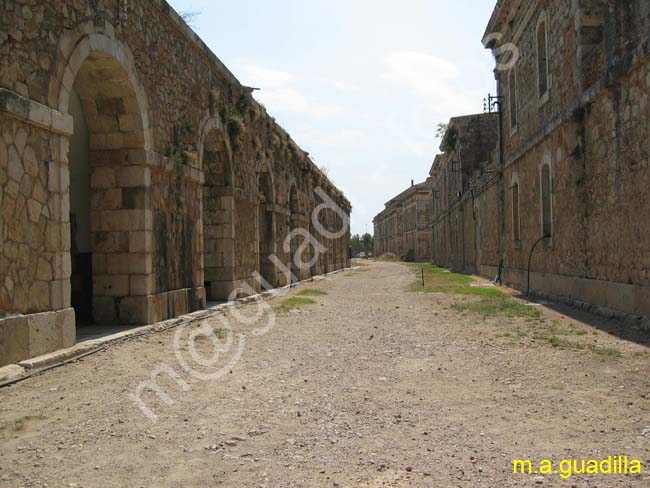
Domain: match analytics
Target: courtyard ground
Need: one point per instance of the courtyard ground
(367, 380)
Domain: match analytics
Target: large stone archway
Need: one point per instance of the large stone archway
(218, 212)
(100, 120)
(294, 223)
(111, 240)
(266, 242)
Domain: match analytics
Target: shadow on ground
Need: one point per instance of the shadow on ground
(612, 327)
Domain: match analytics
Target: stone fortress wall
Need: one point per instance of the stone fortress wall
(138, 177)
(563, 166)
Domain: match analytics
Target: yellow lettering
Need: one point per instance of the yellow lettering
(606, 466)
(579, 470)
(565, 469)
(545, 467)
(635, 467)
(592, 467)
(522, 466)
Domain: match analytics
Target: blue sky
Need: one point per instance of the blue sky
(359, 84)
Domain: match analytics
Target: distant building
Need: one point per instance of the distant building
(403, 227)
(459, 178)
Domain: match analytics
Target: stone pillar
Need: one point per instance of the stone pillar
(35, 313)
(123, 243)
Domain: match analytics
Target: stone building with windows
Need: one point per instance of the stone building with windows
(402, 228)
(138, 177)
(460, 180)
(569, 167)
(574, 78)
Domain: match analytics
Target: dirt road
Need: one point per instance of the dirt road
(372, 385)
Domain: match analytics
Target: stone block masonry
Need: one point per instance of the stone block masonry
(138, 177)
(573, 163)
(402, 228)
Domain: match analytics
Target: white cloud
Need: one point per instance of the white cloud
(344, 87)
(258, 76)
(291, 100)
(277, 91)
(333, 137)
(436, 80)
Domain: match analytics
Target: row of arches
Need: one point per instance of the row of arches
(139, 226)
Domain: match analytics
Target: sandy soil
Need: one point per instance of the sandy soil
(371, 386)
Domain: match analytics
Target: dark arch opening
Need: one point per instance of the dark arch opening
(265, 226)
(110, 257)
(218, 218)
(296, 241)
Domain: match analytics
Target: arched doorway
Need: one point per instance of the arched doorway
(110, 242)
(265, 224)
(296, 240)
(218, 217)
(314, 254)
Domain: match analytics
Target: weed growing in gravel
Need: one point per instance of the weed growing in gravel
(218, 333)
(499, 306)
(438, 280)
(312, 293)
(556, 328)
(606, 351)
(21, 423)
(556, 333)
(291, 303)
(560, 343)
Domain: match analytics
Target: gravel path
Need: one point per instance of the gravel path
(371, 386)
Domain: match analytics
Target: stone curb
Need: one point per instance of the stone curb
(24, 368)
(11, 372)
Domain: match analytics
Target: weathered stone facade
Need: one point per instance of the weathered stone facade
(137, 175)
(579, 151)
(402, 228)
(573, 165)
(459, 180)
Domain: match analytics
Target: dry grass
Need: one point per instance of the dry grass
(292, 303)
(312, 293)
(21, 423)
(499, 306)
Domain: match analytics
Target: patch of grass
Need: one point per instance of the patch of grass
(606, 351)
(312, 293)
(558, 329)
(439, 280)
(292, 303)
(218, 333)
(494, 306)
(21, 423)
(556, 333)
(560, 343)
